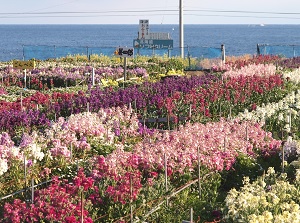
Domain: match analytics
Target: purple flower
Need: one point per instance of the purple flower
(29, 163)
(26, 140)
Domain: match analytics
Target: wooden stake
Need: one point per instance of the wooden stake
(25, 175)
(71, 155)
(282, 159)
(199, 172)
(81, 207)
(191, 215)
(93, 76)
(25, 78)
(131, 194)
(21, 101)
(166, 178)
(290, 120)
(32, 191)
(130, 108)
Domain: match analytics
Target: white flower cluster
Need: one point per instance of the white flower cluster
(268, 199)
(293, 76)
(34, 152)
(285, 108)
(3, 166)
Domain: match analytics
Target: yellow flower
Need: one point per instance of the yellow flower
(275, 199)
(246, 180)
(268, 216)
(294, 208)
(270, 171)
(253, 218)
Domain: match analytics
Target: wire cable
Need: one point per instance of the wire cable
(147, 11)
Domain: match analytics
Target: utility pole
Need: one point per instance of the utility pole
(181, 41)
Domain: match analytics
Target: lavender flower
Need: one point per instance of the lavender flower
(26, 140)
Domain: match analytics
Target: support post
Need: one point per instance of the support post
(283, 160)
(25, 177)
(21, 101)
(223, 53)
(71, 152)
(25, 77)
(181, 31)
(81, 219)
(131, 194)
(32, 190)
(125, 67)
(199, 172)
(93, 76)
(166, 178)
(191, 216)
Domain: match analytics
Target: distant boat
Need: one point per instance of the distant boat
(262, 24)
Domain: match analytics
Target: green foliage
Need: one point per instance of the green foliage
(244, 166)
(172, 64)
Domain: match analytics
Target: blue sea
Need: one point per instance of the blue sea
(238, 39)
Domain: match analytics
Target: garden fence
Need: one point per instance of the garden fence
(287, 51)
(44, 52)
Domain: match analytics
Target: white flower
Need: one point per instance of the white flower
(3, 166)
(275, 199)
(246, 180)
(280, 117)
(270, 171)
(35, 151)
(298, 175)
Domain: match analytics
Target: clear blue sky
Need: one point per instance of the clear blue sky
(157, 11)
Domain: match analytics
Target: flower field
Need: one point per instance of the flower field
(79, 143)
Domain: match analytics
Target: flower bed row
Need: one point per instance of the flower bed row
(61, 77)
(107, 185)
(123, 168)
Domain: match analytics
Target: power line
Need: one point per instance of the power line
(118, 15)
(243, 11)
(169, 14)
(88, 12)
(149, 10)
(245, 16)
